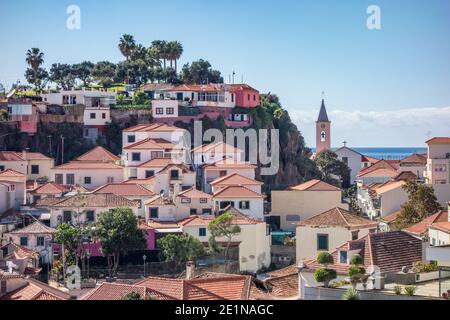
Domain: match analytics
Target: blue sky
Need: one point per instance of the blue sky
(388, 87)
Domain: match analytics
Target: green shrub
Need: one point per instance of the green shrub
(325, 275)
(398, 289)
(421, 267)
(337, 284)
(357, 260)
(355, 270)
(351, 294)
(410, 290)
(325, 258)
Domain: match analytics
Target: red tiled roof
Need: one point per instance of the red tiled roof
(194, 194)
(421, 228)
(384, 167)
(195, 87)
(388, 186)
(88, 165)
(157, 144)
(98, 154)
(419, 159)
(242, 86)
(35, 156)
(10, 156)
(236, 192)
(146, 181)
(89, 200)
(8, 173)
(338, 217)
(405, 175)
(34, 228)
(314, 185)
(229, 163)
(390, 251)
(235, 179)
(438, 140)
(124, 189)
(283, 286)
(442, 226)
(391, 217)
(113, 291)
(20, 252)
(35, 290)
(159, 163)
(51, 188)
(238, 219)
(153, 127)
(217, 147)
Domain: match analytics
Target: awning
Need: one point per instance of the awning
(169, 230)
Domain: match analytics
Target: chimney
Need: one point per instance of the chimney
(24, 154)
(190, 270)
(176, 190)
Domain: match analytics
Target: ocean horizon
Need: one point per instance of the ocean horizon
(387, 153)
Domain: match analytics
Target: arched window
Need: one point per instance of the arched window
(323, 136)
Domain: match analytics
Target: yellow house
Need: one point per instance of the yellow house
(38, 165)
(303, 201)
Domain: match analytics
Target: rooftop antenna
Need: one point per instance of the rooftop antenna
(233, 76)
(345, 143)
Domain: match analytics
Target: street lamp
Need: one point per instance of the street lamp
(144, 257)
(88, 255)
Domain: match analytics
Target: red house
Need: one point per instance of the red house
(246, 96)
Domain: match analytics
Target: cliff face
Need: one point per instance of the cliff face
(295, 165)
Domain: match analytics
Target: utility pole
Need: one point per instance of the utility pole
(62, 149)
(50, 145)
(233, 76)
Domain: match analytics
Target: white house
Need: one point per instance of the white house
(164, 109)
(235, 179)
(329, 229)
(161, 208)
(245, 200)
(213, 152)
(353, 159)
(198, 201)
(87, 98)
(16, 182)
(225, 167)
(437, 171)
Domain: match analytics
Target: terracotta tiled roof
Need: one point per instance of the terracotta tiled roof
(35, 290)
(157, 144)
(160, 201)
(372, 160)
(390, 251)
(314, 185)
(19, 252)
(219, 287)
(442, 226)
(10, 156)
(383, 168)
(113, 291)
(156, 86)
(8, 173)
(124, 189)
(229, 163)
(159, 163)
(205, 220)
(153, 127)
(50, 188)
(98, 154)
(438, 140)
(405, 175)
(152, 224)
(89, 165)
(7, 276)
(236, 192)
(235, 179)
(195, 87)
(419, 159)
(391, 217)
(388, 186)
(35, 156)
(34, 228)
(283, 286)
(90, 200)
(421, 228)
(289, 270)
(338, 217)
(217, 147)
(148, 181)
(194, 194)
(242, 86)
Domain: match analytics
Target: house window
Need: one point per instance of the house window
(244, 205)
(23, 241)
(70, 178)
(293, 217)
(59, 178)
(355, 235)
(92, 116)
(185, 200)
(159, 111)
(149, 173)
(110, 180)
(248, 97)
(202, 232)
(67, 216)
(254, 97)
(224, 204)
(193, 211)
(232, 97)
(136, 156)
(87, 180)
(34, 169)
(206, 211)
(90, 217)
(170, 111)
(322, 242)
(103, 115)
(174, 175)
(345, 160)
(343, 257)
(2, 168)
(40, 241)
(153, 212)
(203, 200)
(131, 138)
(323, 136)
(223, 173)
(12, 188)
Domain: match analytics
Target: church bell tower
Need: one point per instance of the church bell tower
(323, 130)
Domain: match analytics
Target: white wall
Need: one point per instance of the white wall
(162, 106)
(99, 177)
(256, 210)
(98, 120)
(354, 161)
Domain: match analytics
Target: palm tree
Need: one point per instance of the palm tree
(35, 58)
(177, 50)
(126, 45)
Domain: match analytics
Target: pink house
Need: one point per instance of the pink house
(246, 96)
